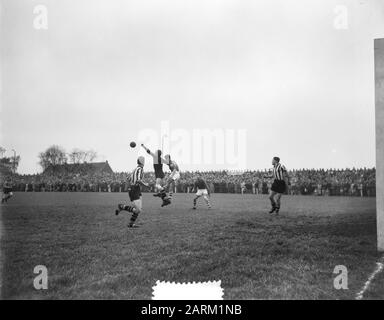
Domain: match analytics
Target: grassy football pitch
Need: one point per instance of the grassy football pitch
(90, 253)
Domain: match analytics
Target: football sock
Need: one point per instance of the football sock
(207, 202)
(128, 208)
(134, 217)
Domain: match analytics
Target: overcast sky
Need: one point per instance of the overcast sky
(294, 75)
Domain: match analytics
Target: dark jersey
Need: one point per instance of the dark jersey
(200, 184)
(157, 164)
(7, 188)
(158, 167)
(7, 185)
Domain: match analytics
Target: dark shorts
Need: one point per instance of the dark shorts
(159, 174)
(7, 190)
(279, 186)
(134, 193)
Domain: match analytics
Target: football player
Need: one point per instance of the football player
(7, 190)
(135, 182)
(158, 167)
(172, 179)
(279, 186)
(201, 188)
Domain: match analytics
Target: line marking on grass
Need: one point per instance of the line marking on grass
(379, 268)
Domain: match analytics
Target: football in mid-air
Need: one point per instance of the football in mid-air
(132, 144)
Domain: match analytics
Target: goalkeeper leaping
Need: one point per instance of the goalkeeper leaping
(158, 162)
(158, 167)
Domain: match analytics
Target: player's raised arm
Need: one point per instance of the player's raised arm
(148, 151)
(208, 190)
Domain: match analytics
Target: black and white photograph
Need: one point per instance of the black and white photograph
(181, 150)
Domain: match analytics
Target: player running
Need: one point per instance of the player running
(279, 186)
(7, 191)
(201, 188)
(135, 181)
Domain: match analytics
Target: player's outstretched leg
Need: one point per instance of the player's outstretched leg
(158, 188)
(135, 210)
(6, 197)
(119, 208)
(206, 198)
(166, 199)
(195, 202)
(278, 200)
(273, 202)
(135, 214)
(170, 189)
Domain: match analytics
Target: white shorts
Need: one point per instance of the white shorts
(202, 192)
(175, 175)
(138, 204)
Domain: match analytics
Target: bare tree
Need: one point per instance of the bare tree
(76, 156)
(15, 163)
(2, 151)
(53, 156)
(11, 163)
(82, 156)
(91, 155)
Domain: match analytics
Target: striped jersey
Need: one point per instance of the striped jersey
(136, 175)
(278, 171)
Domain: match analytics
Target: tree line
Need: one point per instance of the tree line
(8, 164)
(52, 156)
(56, 155)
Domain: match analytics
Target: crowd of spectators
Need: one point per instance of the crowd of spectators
(347, 182)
